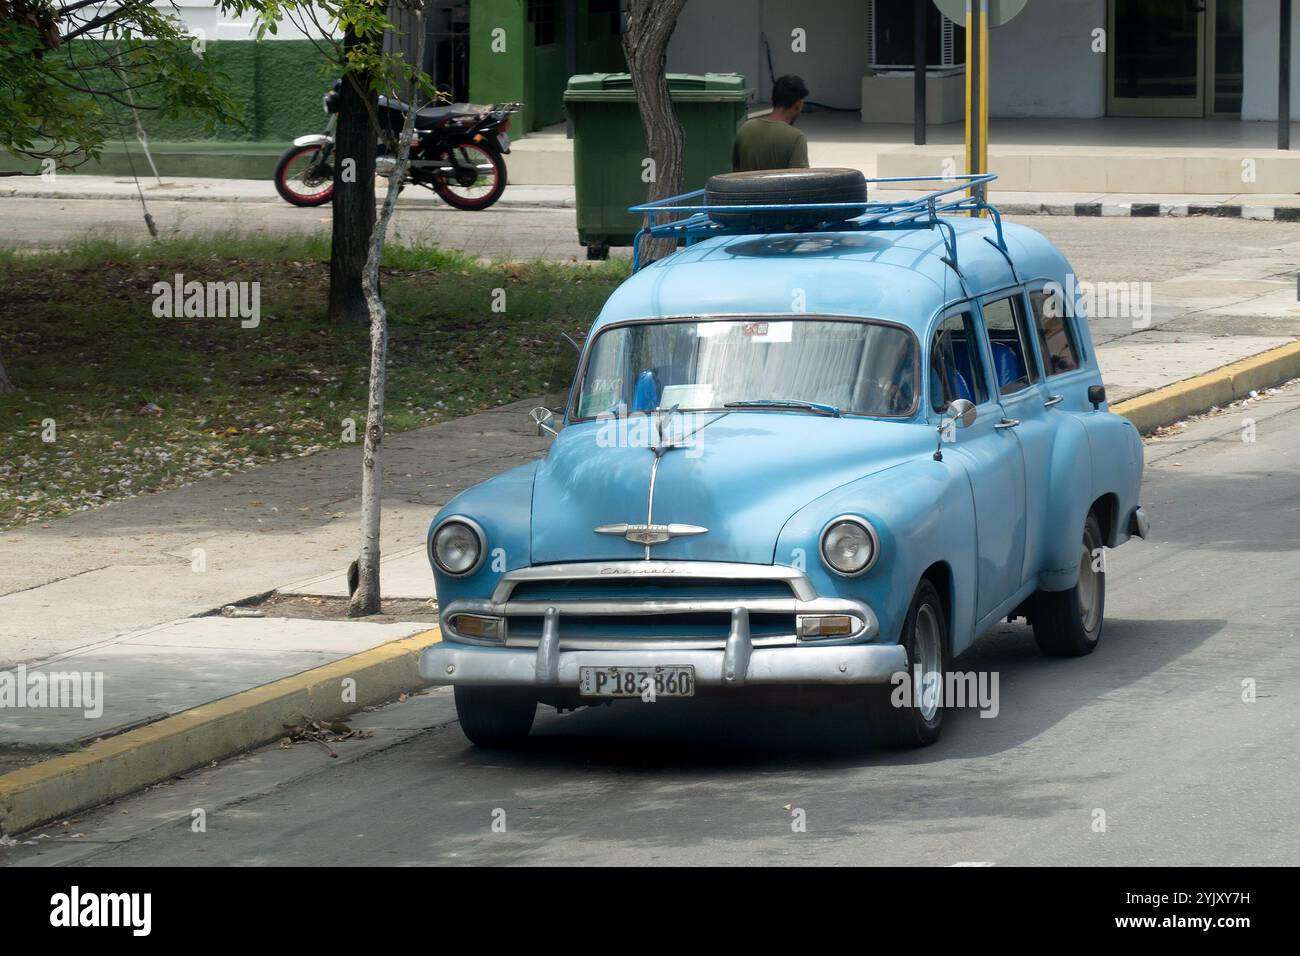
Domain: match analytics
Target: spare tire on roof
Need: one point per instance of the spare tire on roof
(784, 186)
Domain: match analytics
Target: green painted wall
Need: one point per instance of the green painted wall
(278, 85)
(535, 74)
(503, 73)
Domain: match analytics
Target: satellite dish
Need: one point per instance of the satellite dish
(1000, 11)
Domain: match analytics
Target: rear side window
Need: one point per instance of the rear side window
(955, 368)
(1013, 359)
(1060, 353)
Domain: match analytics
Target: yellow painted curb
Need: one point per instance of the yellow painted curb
(118, 765)
(1219, 387)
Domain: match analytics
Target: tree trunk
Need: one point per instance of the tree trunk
(354, 194)
(650, 26)
(365, 599)
(5, 384)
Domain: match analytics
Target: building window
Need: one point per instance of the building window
(890, 37)
(542, 15)
(603, 19)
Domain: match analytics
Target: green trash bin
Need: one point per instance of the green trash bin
(609, 146)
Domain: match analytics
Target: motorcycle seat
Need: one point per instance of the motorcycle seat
(428, 117)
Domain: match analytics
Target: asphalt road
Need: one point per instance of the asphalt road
(1152, 731)
(1128, 250)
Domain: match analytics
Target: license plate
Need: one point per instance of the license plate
(668, 681)
(504, 142)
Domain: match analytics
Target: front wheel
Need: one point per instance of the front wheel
(1068, 623)
(476, 177)
(304, 177)
(495, 716)
(911, 714)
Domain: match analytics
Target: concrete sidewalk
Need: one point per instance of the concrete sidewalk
(1011, 203)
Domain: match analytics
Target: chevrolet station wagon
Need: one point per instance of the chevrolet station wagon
(828, 441)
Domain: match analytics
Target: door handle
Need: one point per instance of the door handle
(1053, 400)
(1008, 423)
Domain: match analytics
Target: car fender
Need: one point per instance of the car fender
(1117, 464)
(1070, 480)
(502, 507)
(923, 512)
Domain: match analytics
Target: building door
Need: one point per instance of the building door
(1173, 57)
(1156, 58)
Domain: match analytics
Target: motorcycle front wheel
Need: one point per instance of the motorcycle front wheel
(302, 178)
(477, 177)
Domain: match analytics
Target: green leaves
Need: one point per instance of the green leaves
(68, 91)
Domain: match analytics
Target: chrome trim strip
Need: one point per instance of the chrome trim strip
(650, 498)
(683, 570)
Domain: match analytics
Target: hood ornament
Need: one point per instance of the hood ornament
(648, 534)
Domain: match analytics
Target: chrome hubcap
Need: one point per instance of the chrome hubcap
(1089, 591)
(927, 673)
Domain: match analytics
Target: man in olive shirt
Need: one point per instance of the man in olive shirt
(772, 142)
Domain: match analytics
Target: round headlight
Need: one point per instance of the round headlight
(849, 545)
(458, 546)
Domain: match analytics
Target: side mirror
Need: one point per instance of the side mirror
(542, 418)
(1096, 395)
(960, 414)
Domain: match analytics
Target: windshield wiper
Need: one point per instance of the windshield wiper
(819, 407)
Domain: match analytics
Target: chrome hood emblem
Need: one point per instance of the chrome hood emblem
(648, 534)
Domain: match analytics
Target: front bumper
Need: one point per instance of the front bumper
(846, 664)
(736, 664)
(600, 614)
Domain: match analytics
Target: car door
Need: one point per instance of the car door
(987, 451)
(1026, 408)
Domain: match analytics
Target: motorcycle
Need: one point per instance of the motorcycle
(457, 151)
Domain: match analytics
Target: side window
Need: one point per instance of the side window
(955, 367)
(1054, 334)
(1013, 359)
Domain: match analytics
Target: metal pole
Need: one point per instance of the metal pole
(976, 90)
(920, 8)
(571, 53)
(1284, 76)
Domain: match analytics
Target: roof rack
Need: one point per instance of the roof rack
(922, 212)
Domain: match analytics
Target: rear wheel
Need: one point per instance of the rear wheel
(304, 177)
(1068, 623)
(912, 716)
(495, 716)
(477, 177)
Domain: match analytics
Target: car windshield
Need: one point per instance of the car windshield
(806, 365)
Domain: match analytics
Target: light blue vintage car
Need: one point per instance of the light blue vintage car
(805, 449)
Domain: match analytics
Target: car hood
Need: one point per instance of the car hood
(741, 476)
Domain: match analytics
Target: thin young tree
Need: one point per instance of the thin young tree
(650, 26)
(366, 597)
